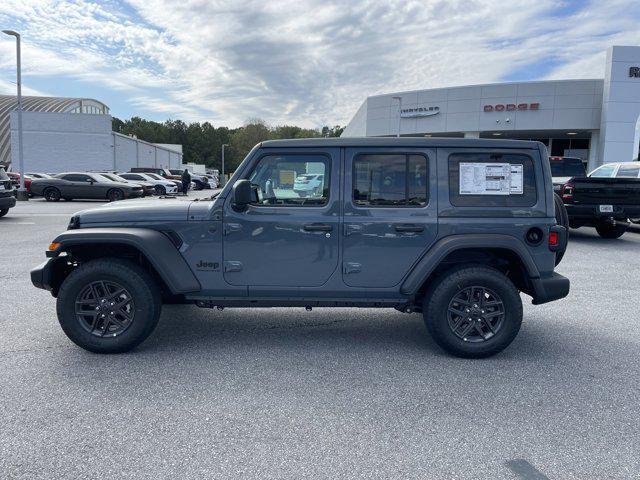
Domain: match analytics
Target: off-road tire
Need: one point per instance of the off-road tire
(445, 287)
(611, 231)
(115, 195)
(52, 194)
(143, 290)
(562, 218)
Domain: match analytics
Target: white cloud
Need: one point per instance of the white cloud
(305, 62)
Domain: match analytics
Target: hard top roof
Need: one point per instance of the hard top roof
(401, 142)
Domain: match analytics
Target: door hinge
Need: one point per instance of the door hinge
(232, 266)
(351, 267)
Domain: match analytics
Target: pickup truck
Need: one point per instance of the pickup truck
(608, 204)
(452, 228)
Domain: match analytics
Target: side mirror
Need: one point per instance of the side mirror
(242, 194)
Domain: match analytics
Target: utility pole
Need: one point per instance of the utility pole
(399, 113)
(22, 191)
(222, 177)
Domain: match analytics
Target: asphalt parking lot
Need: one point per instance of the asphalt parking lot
(332, 393)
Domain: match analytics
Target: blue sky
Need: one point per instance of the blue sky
(297, 61)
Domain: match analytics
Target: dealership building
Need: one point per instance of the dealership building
(74, 134)
(596, 119)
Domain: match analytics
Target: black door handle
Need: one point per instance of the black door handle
(408, 227)
(317, 227)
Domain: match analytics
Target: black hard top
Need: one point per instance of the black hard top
(401, 142)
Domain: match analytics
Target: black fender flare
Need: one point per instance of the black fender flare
(443, 247)
(157, 248)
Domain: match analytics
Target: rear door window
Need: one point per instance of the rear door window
(390, 180)
(491, 180)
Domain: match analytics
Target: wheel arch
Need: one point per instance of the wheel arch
(152, 249)
(503, 252)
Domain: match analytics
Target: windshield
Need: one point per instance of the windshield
(567, 167)
(154, 176)
(109, 177)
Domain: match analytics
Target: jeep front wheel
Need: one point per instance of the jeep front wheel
(473, 312)
(108, 305)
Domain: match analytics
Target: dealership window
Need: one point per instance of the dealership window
(381, 180)
(294, 180)
(516, 189)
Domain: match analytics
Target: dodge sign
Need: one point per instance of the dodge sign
(510, 107)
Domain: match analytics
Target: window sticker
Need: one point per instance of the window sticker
(517, 180)
(491, 179)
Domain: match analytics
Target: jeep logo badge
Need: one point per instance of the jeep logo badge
(208, 266)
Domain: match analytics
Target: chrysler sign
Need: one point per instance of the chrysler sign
(511, 107)
(419, 112)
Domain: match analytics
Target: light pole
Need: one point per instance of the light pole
(22, 192)
(399, 113)
(222, 178)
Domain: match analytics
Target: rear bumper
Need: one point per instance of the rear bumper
(548, 289)
(590, 214)
(7, 201)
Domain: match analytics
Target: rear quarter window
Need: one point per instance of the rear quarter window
(527, 198)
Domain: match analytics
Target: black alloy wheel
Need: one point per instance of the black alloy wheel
(475, 314)
(115, 195)
(105, 308)
(52, 194)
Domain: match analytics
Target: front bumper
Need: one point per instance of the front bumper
(134, 194)
(44, 275)
(548, 289)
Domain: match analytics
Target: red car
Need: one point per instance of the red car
(15, 179)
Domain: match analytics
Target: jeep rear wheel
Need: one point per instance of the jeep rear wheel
(473, 312)
(108, 305)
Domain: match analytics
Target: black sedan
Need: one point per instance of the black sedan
(77, 185)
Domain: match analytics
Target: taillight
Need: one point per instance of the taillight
(553, 239)
(566, 192)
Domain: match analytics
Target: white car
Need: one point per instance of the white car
(311, 184)
(161, 185)
(617, 170)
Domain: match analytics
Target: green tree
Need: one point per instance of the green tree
(202, 142)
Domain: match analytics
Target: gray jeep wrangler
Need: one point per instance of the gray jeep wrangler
(452, 228)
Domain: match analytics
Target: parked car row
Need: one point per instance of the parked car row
(108, 185)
